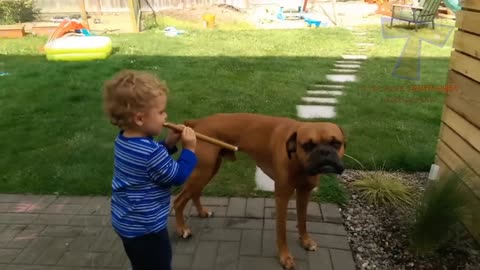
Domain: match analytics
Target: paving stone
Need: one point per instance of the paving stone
(119, 257)
(215, 201)
(17, 218)
(349, 62)
(352, 66)
(198, 224)
(186, 246)
(88, 221)
(271, 213)
(270, 224)
(227, 256)
(354, 57)
(34, 250)
(49, 219)
(54, 252)
(320, 259)
(105, 240)
(16, 198)
(344, 70)
(255, 207)
(221, 235)
(269, 240)
(341, 77)
(243, 223)
(320, 100)
(329, 86)
(315, 111)
(20, 207)
(251, 243)
(73, 200)
(250, 263)
(9, 233)
(23, 238)
(326, 228)
(8, 255)
(105, 208)
(61, 231)
(331, 213)
(313, 209)
(330, 241)
(37, 267)
(205, 256)
(342, 260)
(218, 211)
(90, 259)
(263, 182)
(236, 207)
(325, 92)
(182, 261)
(295, 246)
(93, 206)
(63, 209)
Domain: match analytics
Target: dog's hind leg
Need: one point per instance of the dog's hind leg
(203, 211)
(207, 159)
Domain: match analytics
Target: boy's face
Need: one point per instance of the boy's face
(151, 121)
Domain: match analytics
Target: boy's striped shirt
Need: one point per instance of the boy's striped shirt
(144, 173)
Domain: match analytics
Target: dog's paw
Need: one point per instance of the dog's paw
(184, 233)
(205, 213)
(286, 260)
(309, 244)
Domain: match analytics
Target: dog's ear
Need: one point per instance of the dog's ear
(344, 136)
(291, 145)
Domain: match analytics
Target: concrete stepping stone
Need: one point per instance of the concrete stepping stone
(316, 111)
(347, 66)
(348, 62)
(344, 70)
(325, 92)
(354, 57)
(341, 77)
(320, 100)
(263, 181)
(330, 86)
(365, 44)
(360, 33)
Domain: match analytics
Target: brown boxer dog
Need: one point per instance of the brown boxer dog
(291, 152)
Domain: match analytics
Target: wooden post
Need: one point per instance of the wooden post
(83, 11)
(133, 16)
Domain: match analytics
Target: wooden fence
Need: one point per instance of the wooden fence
(458, 146)
(117, 6)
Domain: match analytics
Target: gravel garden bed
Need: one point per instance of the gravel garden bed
(379, 236)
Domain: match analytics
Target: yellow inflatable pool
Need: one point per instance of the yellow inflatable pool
(79, 48)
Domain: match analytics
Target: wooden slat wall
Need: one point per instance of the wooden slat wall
(458, 146)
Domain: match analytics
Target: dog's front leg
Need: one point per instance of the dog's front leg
(303, 197)
(282, 195)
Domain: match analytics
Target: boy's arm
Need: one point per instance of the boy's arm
(165, 170)
(171, 150)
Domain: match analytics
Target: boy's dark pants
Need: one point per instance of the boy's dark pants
(149, 252)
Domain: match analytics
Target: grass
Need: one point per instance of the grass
(54, 137)
(382, 189)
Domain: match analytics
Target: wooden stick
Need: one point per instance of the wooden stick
(203, 137)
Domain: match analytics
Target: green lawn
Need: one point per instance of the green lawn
(54, 137)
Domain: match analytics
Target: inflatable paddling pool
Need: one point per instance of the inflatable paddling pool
(78, 48)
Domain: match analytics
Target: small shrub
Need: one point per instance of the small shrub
(17, 11)
(382, 189)
(443, 209)
(330, 190)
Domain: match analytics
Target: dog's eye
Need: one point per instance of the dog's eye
(336, 144)
(309, 146)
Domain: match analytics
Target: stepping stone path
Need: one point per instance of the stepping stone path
(57, 233)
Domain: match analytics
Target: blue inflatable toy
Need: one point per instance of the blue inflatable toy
(453, 5)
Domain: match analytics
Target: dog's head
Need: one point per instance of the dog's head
(319, 147)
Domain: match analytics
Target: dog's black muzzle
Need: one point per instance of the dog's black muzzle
(324, 160)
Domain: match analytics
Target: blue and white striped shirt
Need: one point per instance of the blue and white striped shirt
(144, 173)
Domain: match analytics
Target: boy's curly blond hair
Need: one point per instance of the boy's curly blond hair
(129, 92)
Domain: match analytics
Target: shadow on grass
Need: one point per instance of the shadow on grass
(54, 137)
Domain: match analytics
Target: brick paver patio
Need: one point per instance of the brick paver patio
(56, 232)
